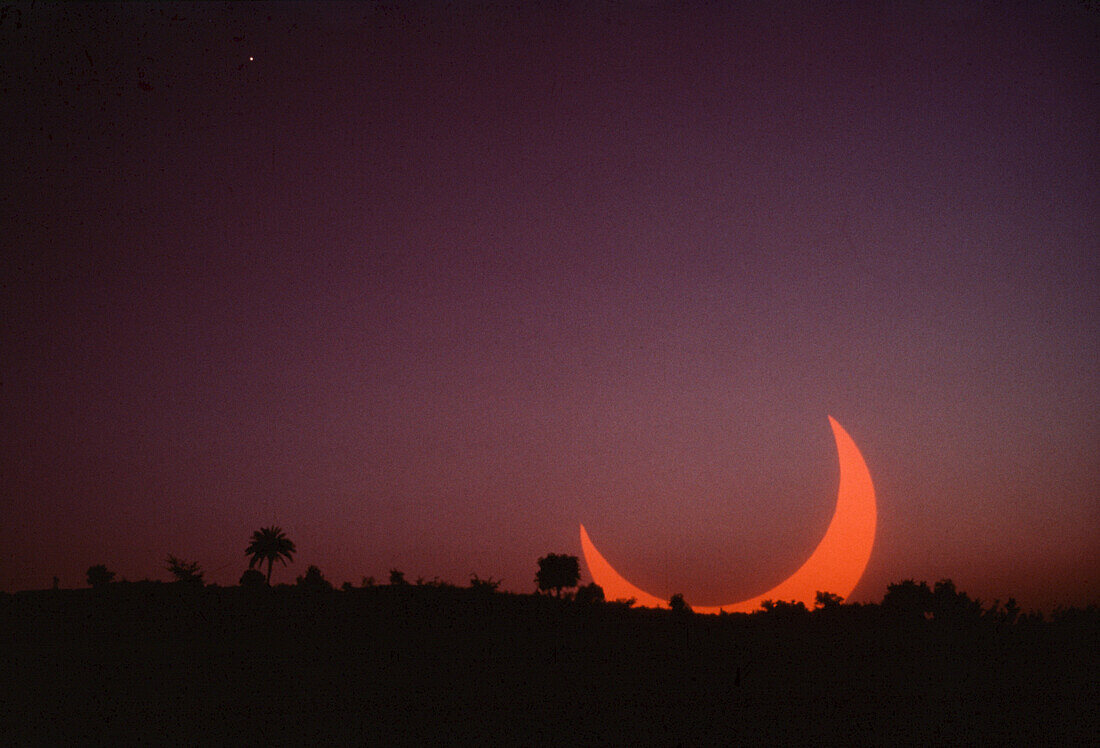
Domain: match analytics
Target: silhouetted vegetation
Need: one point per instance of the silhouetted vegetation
(183, 571)
(397, 577)
(827, 601)
(590, 593)
(269, 544)
(558, 572)
(1008, 614)
(784, 610)
(99, 576)
(409, 664)
(677, 604)
(621, 603)
(953, 606)
(483, 585)
(314, 581)
(252, 579)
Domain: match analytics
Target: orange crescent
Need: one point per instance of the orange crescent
(835, 566)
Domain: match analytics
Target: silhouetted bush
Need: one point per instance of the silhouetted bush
(908, 601)
(483, 585)
(589, 594)
(622, 603)
(784, 610)
(1006, 615)
(252, 579)
(827, 600)
(952, 606)
(99, 576)
(397, 577)
(314, 581)
(557, 572)
(678, 605)
(184, 572)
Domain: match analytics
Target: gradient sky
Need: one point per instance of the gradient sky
(428, 287)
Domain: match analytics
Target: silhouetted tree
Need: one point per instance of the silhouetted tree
(589, 593)
(397, 577)
(784, 609)
(483, 585)
(98, 576)
(1008, 614)
(951, 605)
(252, 579)
(558, 572)
(827, 600)
(314, 581)
(622, 603)
(269, 544)
(188, 573)
(907, 600)
(678, 605)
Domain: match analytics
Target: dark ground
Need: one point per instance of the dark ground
(154, 663)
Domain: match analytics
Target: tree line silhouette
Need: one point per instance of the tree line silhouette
(559, 574)
(426, 661)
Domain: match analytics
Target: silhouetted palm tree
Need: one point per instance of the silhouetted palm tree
(269, 544)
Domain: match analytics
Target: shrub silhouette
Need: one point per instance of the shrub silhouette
(589, 594)
(187, 573)
(907, 600)
(1008, 614)
(622, 603)
(827, 601)
(952, 606)
(397, 577)
(269, 544)
(483, 585)
(558, 572)
(99, 577)
(678, 605)
(252, 579)
(314, 581)
(784, 610)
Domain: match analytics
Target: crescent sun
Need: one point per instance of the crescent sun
(835, 566)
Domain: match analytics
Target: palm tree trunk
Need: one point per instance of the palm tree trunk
(269, 562)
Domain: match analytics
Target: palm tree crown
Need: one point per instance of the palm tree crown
(269, 544)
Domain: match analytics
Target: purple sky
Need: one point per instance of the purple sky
(428, 287)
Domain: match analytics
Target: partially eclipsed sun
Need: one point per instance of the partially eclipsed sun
(836, 566)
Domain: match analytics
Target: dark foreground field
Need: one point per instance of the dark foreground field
(153, 664)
